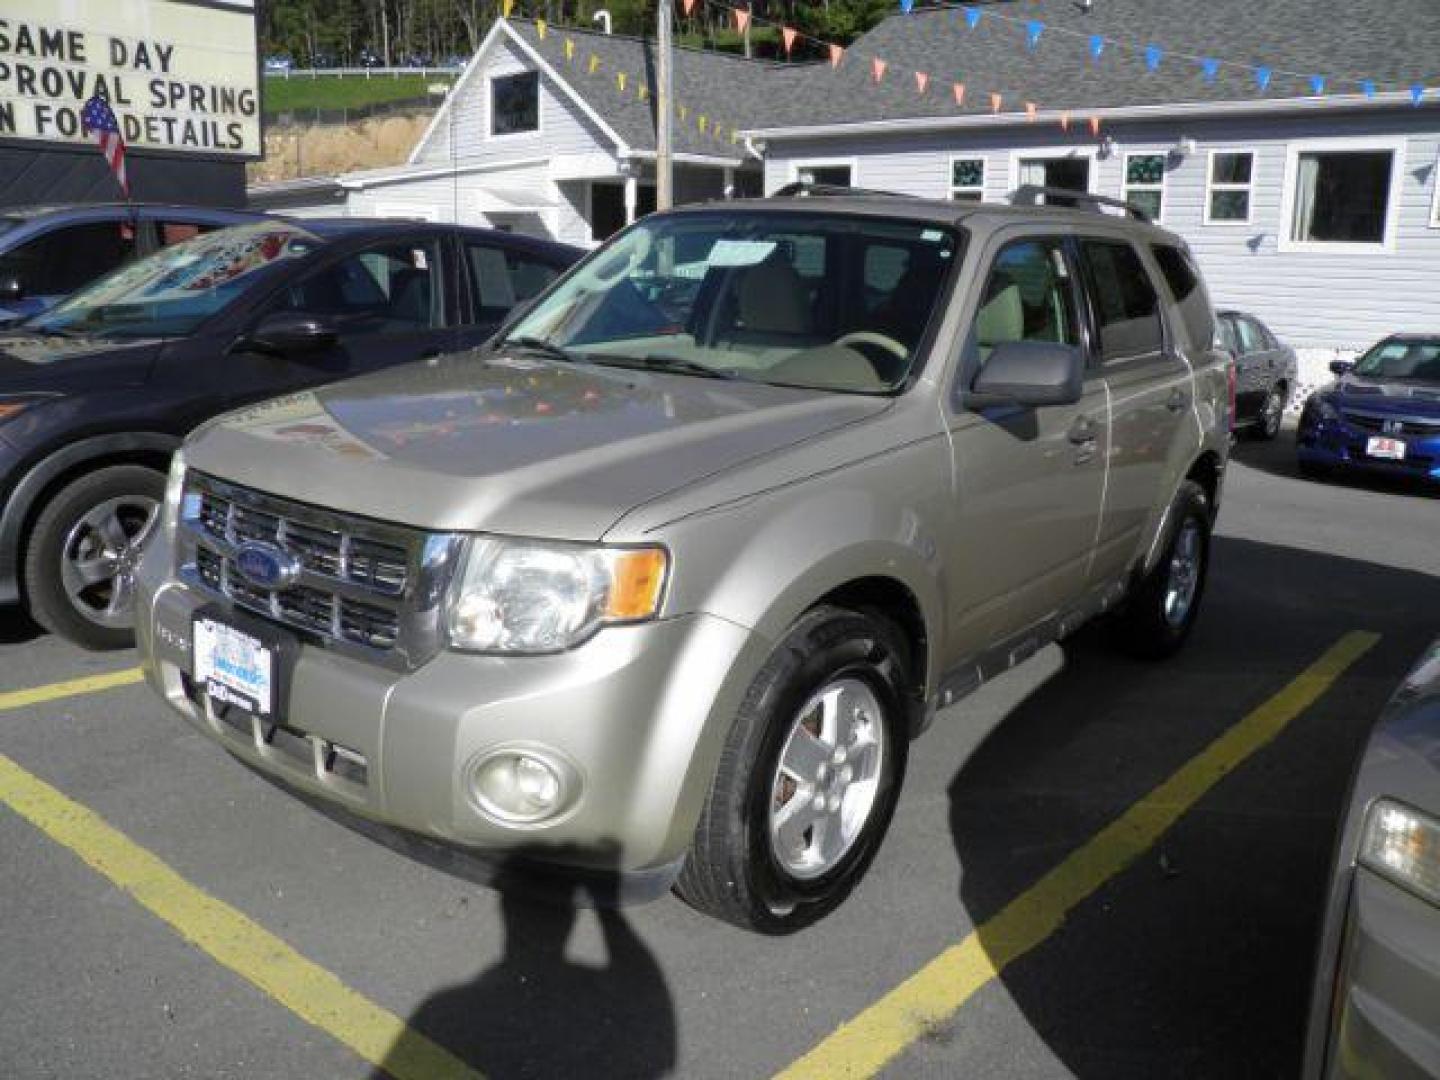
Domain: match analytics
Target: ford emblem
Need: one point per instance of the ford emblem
(267, 566)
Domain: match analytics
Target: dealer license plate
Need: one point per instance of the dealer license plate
(234, 667)
(1390, 449)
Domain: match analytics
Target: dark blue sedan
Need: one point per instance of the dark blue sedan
(1381, 417)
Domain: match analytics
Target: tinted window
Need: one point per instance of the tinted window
(66, 258)
(501, 279)
(515, 103)
(1027, 297)
(1189, 292)
(1342, 197)
(390, 288)
(1252, 338)
(1127, 310)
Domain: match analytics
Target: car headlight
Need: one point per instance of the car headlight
(174, 494)
(1402, 844)
(532, 596)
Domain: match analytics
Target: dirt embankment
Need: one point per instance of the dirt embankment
(327, 149)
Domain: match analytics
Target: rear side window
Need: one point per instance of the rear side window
(1189, 292)
(1127, 308)
(1252, 337)
(62, 260)
(501, 279)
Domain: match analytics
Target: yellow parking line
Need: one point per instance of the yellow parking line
(90, 684)
(377, 1035)
(864, 1045)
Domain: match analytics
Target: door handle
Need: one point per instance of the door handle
(1083, 431)
(1177, 400)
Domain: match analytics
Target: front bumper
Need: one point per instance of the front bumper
(1385, 1017)
(640, 712)
(1334, 444)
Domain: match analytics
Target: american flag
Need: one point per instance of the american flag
(100, 120)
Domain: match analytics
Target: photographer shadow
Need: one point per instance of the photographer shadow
(540, 1013)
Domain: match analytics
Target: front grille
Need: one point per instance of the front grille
(1407, 426)
(363, 584)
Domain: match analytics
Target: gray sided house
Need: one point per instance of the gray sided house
(553, 135)
(1319, 214)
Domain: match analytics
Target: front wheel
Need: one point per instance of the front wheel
(1160, 612)
(80, 557)
(808, 778)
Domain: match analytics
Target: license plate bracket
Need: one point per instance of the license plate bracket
(240, 662)
(1378, 446)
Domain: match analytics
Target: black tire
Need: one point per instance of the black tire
(1272, 415)
(1146, 625)
(46, 596)
(731, 871)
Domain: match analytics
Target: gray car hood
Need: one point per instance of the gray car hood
(511, 445)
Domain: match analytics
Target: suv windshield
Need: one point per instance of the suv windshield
(170, 293)
(830, 301)
(1418, 361)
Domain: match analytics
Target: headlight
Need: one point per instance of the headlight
(530, 596)
(174, 493)
(1403, 845)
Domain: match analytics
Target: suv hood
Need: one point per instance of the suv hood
(511, 445)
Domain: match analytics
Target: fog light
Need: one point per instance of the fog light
(521, 786)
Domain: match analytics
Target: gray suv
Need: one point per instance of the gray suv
(666, 578)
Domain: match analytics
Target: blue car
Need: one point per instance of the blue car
(49, 252)
(1381, 417)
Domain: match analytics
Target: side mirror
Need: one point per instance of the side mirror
(1033, 373)
(291, 333)
(1342, 367)
(11, 287)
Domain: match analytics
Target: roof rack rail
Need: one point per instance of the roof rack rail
(802, 188)
(1035, 195)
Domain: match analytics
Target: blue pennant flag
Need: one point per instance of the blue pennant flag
(1416, 93)
(1153, 53)
(1262, 77)
(1209, 68)
(1033, 29)
(972, 17)
(1367, 87)
(906, 6)
(1317, 84)
(1097, 45)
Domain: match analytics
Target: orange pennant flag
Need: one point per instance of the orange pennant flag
(540, 29)
(1065, 121)
(742, 19)
(1030, 110)
(620, 80)
(689, 6)
(877, 68)
(569, 48)
(959, 90)
(995, 100)
(836, 52)
(1094, 125)
(594, 63)
(788, 35)
(921, 81)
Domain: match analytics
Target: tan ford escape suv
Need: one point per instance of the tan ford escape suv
(673, 570)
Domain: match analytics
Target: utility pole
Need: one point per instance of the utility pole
(664, 114)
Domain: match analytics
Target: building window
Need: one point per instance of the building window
(1145, 183)
(825, 173)
(1340, 196)
(1227, 190)
(967, 179)
(515, 103)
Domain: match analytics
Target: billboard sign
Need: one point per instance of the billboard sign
(182, 76)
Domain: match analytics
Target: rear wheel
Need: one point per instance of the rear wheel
(1159, 614)
(808, 779)
(80, 557)
(1272, 414)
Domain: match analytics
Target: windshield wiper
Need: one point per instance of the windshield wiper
(662, 362)
(544, 348)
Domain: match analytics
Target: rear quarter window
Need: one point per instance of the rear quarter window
(1188, 288)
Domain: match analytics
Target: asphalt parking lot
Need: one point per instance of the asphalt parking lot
(1099, 867)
